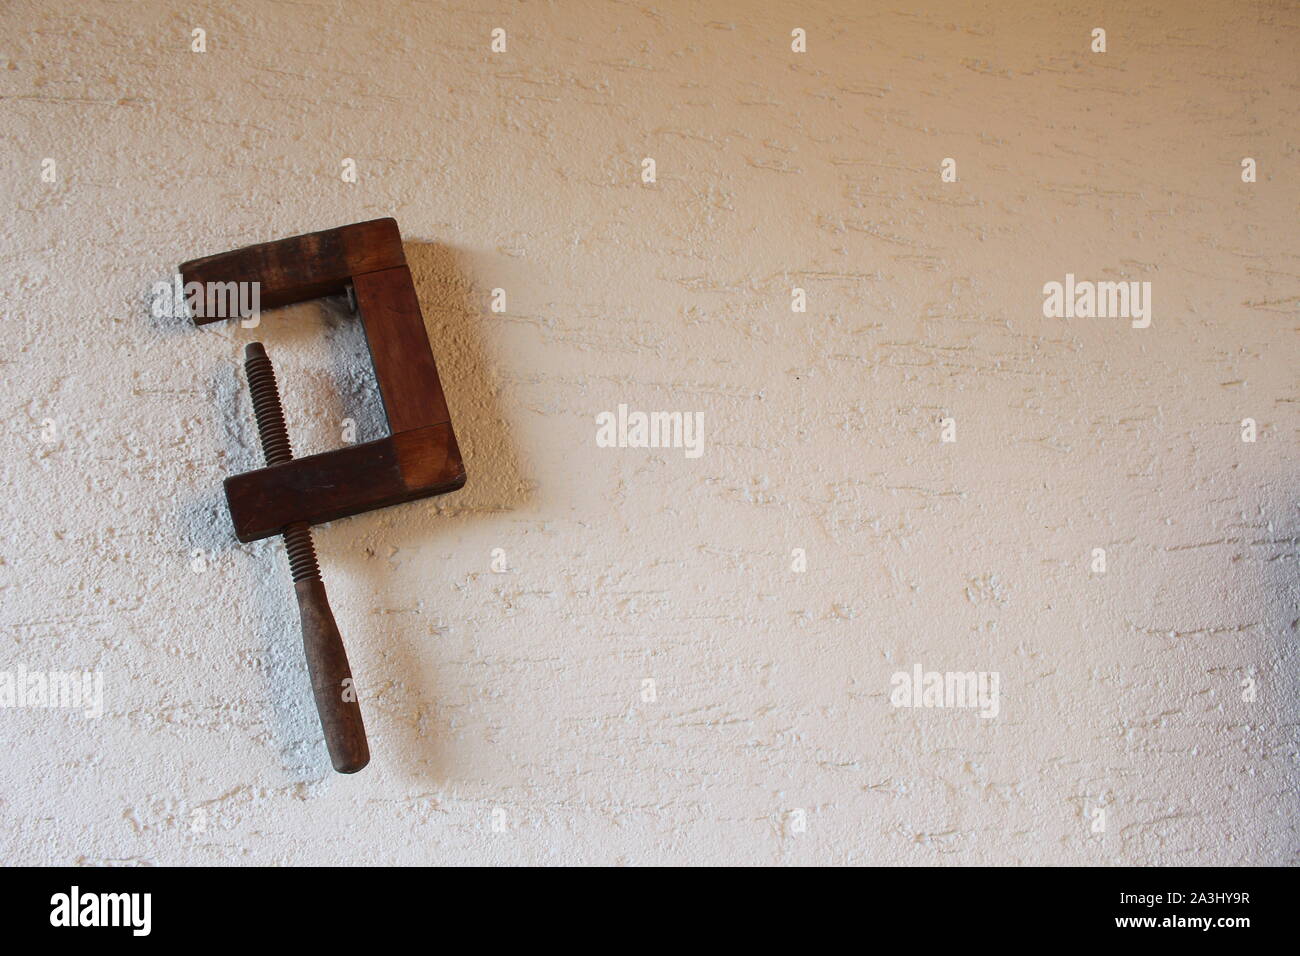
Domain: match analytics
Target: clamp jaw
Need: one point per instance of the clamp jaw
(420, 457)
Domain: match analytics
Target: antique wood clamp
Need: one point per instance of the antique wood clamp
(419, 457)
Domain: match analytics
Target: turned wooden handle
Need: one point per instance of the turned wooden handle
(331, 679)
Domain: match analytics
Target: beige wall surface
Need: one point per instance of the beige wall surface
(641, 673)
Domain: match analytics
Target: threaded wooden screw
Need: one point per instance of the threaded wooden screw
(327, 659)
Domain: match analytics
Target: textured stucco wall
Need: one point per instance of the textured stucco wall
(516, 698)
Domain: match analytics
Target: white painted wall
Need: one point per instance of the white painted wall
(521, 692)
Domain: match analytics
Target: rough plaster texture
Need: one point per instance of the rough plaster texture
(521, 692)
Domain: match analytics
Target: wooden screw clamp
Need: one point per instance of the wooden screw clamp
(419, 457)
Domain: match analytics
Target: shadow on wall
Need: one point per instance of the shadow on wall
(454, 321)
(401, 687)
(409, 690)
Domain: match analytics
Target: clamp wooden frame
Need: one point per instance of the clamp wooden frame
(420, 456)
